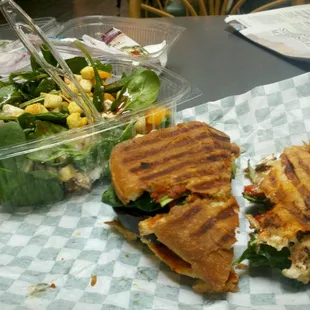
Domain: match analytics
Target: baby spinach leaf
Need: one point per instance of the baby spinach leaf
(53, 156)
(11, 133)
(103, 67)
(45, 86)
(27, 121)
(118, 85)
(26, 190)
(9, 95)
(109, 197)
(144, 203)
(45, 129)
(264, 255)
(143, 90)
(55, 117)
(76, 64)
(48, 55)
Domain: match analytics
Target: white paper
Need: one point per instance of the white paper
(286, 31)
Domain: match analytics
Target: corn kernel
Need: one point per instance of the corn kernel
(86, 85)
(36, 108)
(74, 108)
(87, 73)
(66, 173)
(75, 120)
(52, 101)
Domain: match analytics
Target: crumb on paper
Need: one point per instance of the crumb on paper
(93, 280)
(78, 234)
(62, 258)
(38, 288)
(242, 266)
(53, 285)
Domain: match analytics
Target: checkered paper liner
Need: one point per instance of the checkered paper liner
(68, 243)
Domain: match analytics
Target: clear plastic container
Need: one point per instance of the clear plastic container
(144, 32)
(47, 170)
(49, 25)
(13, 55)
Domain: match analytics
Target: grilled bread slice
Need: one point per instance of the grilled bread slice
(287, 184)
(188, 157)
(196, 236)
(201, 233)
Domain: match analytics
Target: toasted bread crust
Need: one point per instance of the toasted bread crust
(192, 154)
(287, 184)
(201, 233)
(196, 237)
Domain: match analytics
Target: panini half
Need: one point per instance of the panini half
(281, 232)
(179, 179)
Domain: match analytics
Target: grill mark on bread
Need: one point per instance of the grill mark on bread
(171, 157)
(228, 238)
(205, 145)
(163, 135)
(190, 213)
(181, 165)
(222, 215)
(219, 166)
(289, 171)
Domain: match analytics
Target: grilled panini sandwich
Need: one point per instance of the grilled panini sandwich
(282, 233)
(179, 180)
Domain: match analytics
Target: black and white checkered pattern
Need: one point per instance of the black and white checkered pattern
(68, 243)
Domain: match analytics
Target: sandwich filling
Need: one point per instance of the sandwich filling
(282, 227)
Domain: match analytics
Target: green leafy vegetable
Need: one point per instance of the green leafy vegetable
(103, 67)
(99, 152)
(118, 85)
(45, 86)
(31, 101)
(265, 255)
(251, 172)
(233, 170)
(45, 129)
(109, 197)
(11, 133)
(143, 90)
(144, 203)
(9, 95)
(27, 121)
(165, 200)
(27, 190)
(54, 117)
(257, 199)
(48, 55)
(76, 64)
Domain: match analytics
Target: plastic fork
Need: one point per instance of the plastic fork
(14, 14)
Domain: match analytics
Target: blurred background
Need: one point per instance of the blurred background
(63, 10)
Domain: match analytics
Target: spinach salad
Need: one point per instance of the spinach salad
(33, 107)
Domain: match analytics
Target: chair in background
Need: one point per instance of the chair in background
(203, 7)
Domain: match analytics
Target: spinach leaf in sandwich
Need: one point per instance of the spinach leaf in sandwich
(144, 203)
(261, 254)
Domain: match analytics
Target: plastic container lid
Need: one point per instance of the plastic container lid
(49, 25)
(144, 32)
(13, 55)
(75, 146)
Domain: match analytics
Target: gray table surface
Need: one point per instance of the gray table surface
(221, 62)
